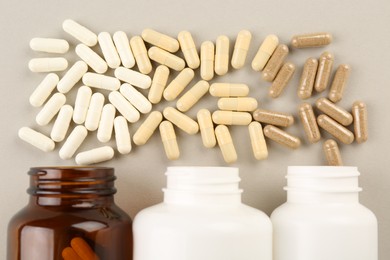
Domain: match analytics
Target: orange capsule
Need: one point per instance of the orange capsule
(69, 254)
(83, 249)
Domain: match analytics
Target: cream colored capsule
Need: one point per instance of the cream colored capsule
(273, 117)
(100, 81)
(124, 107)
(238, 104)
(281, 80)
(72, 76)
(282, 137)
(91, 58)
(50, 109)
(309, 122)
(188, 48)
(159, 82)
(160, 40)
(231, 118)
(259, 146)
(275, 62)
(109, 51)
(181, 120)
(192, 96)
(94, 112)
(241, 48)
(335, 129)
(122, 135)
(337, 113)
(96, 155)
(122, 45)
(106, 123)
(206, 127)
(47, 64)
(49, 45)
(229, 90)
(44, 89)
(140, 54)
(265, 51)
(80, 32)
(359, 111)
(73, 142)
(306, 83)
(332, 153)
(221, 64)
(226, 144)
(207, 60)
(311, 40)
(339, 82)
(39, 140)
(168, 137)
(178, 84)
(83, 99)
(147, 128)
(139, 101)
(324, 70)
(166, 58)
(133, 77)
(61, 125)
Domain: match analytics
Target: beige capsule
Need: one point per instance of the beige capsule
(141, 55)
(221, 64)
(275, 62)
(226, 144)
(166, 58)
(168, 137)
(339, 82)
(241, 48)
(160, 40)
(335, 129)
(181, 120)
(147, 128)
(332, 153)
(282, 137)
(192, 96)
(178, 84)
(229, 90)
(159, 82)
(306, 84)
(324, 70)
(311, 40)
(281, 80)
(206, 127)
(207, 60)
(359, 111)
(247, 104)
(309, 123)
(231, 118)
(188, 48)
(273, 117)
(337, 113)
(259, 146)
(265, 51)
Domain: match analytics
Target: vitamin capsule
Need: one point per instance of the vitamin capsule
(146, 130)
(332, 153)
(122, 135)
(36, 139)
(228, 90)
(241, 48)
(221, 65)
(49, 45)
(206, 127)
(192, 96)
(309, 123)
(169, 141)
(207, 60)
(188, 48)
(133, 77)
(275, 62)
(311, 40)
(124, 107)
(100, 81)
(79, 32)
(94, 111)
(335, 129)
(140, 54)
(160, 40)
(159, 82)
(231, 118)
(178, 84)
(359, 111)
(122, 45)
(238, 104)
(281, 137)
(44, 89)
(281, 80)
(136, 98)
(83, 249)
(73, 142)
(226, 144)
(324, 70)
(306, 83)
(181, 120)
(273, 117)
(265, 51)
(109, 51)
(72, 76)
(337, 113)
(47, 64)
(69, 254)
(50, 109)
(83, 99)
(93, 156)
(61, 125)
(106, 123)
(259, 146)
(91, 58)
(166, 58)
(339, 82)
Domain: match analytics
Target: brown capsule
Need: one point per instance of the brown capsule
(324, 70)
(306, 83)
(332, 153)
(309, 123)
(275, 62)
(337, 113)
(281, 137)
(332, 127)
(273, 118)
(282, 79)
(359, 111)
(311, 40)
(339, 82)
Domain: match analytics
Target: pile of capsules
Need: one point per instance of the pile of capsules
(126, 103)
(78, 249)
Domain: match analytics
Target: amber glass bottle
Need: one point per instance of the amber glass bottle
(71, 215)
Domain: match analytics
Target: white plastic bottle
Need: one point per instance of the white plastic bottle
(202, 217)
(322, 218)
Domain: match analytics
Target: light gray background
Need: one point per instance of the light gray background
(361, 39)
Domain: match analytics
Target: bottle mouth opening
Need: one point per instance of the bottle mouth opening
(322, 171)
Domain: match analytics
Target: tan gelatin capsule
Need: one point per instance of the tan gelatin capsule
(324, 70)
(273, 117)
(311, 40)
(275, 62)
(178, 84)
(229, 90)
(231, 118)
(282, 137)
(359, 111)
(147, 128)
(265, 51)
(207, 60)
(337, 113)
(225, 143)
(248, 104)
(339, 82)
(309, 123)
(259, 146)
(241, 48)
(192, 96)
(332, 127)
(188, 48)
(181, 120)
(159, 82)
(160, 40)
(306, 83)
(140, 54)
(332, 153)
(166, 58)
(169, 141)
(281, 80)
(206, 127)
(221, 64)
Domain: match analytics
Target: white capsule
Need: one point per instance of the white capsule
(106, 123)
(49, 45)
(96, 155)
(123, 47)
(91, 58)
(241, 48)
(83, 99)
(188, 48)
(81, 33)
(133, 77)
(47, 64)
(100, 81)
(108, 49)
(73, 142)
(72, 76)
(265, 51)
(44, 89)
(231, 118)
(50, 109)
(168, 137)
(159, 82)
(145, 131)
(181, 120)
(140, 54)
(166, 58)
(221, 65)
(259, 146)
(238, 104)
(228, 90)
(207, 60)
(36, 139)
(178, 84)
(122, 135)
(206, 127)
(61, 125)
(124, 107)
(192, 96)
(94, 112)
(160, 40)
(135, 97)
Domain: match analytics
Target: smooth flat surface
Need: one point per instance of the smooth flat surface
(361, 39)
